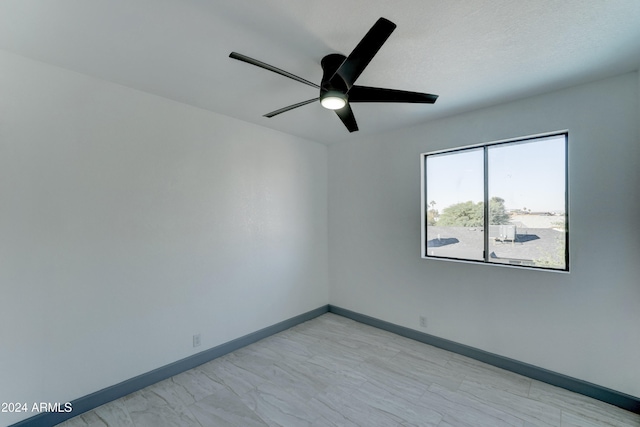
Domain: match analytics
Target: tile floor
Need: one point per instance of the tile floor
(332, 371)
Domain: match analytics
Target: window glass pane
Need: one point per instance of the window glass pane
(455, 200)
(527, 196)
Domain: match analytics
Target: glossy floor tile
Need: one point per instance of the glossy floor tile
(332, 371)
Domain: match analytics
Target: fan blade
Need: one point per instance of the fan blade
(290, 107)
(261, 64)
(378, 94)
(347, 117)
(364, 52)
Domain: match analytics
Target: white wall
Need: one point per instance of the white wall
(129, 222)
(583, 324)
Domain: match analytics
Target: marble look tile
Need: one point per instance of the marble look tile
(112, 414)
(257, 352)
(595, 411)
(341, 400)
(365, 345)
(88, 419)
(363, 338)
(425, 371)
(76, 421)
(225, 408)
(422, 351)
(490, 375)
(94, 420)
(253, 360)
(330, 416)
(334, 364)
(293, 382)
(236, 378)
(329, 327)
(303, 339)
(278, 407)
(148, 409)
(287, 347)
(196, 384)
(415, 413)
(171, 393)
(324, 422)
(461, 410)
(357, 327)
(328, 353)
(575, 420)
(536, 412)
(384, 374)
(323, 375)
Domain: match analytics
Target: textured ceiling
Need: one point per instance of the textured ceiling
(472, 53)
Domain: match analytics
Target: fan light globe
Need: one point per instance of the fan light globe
(333, 101)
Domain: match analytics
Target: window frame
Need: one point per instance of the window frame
(486, 254)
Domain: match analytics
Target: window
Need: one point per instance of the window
(499, 203)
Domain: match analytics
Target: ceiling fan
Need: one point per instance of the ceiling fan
(337, 89)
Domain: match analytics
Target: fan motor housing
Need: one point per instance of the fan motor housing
(330, 65)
